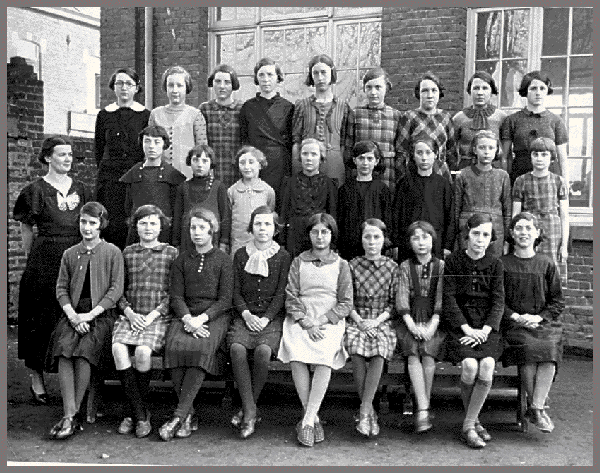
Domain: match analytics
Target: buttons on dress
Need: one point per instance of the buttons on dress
(201, 265)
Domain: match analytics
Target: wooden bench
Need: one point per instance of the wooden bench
(395, 376)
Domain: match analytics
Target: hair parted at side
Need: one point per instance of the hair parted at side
(314, 141)
(265, 61)
(530, 77)
(258, 155)
(131, 73)
(484, 76)
(155, 131)
(227, 69)
(96, 210)
(325, 59)
(202, 213)
(197, 151)
(145, 211)
(264, 210)
(376, 73)
(178, 70)
(49, 144)
(531, 218)
(423, 226)
(326, 220)
(480, 135)
(366, 146)
(432, 77)
(479, 219)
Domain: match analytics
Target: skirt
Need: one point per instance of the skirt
(182, 349)
(153, 336)
(410, 346)
(455, 352)
(358, 343)
(524, 345)
(270, 335)
(94, 346)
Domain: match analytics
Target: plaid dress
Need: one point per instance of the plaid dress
(375, 286)
(541, 196)
(378, 124)
(223, 133)
(146, 289)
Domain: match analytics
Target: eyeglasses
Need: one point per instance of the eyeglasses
(324, 232)
(125, 85)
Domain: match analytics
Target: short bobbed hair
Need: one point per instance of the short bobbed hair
(308, 141)
(265, 61)
(178, 70)
(325, 59)
(366, 146)
(264, 210)
(197, 151)
(423, 138)
(131, 73)
(202, 213)
(424, 226)
(543, 144)
(156, 131)
(258, 154)
(145, 211)
(479, 219)
(326, 220)
(484, 76)
(481, 134)
(227, 69)
(49, 144)
(96, 210)
(432, 77)
(530, 77)
(525, 216)
(376, 73)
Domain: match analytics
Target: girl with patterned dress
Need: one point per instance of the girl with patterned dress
(185, 124)
(481, 188)
(370, 338)
(319, 297)
(247, 194)
(260, 271)
(51, 204)
(201, 288)
(532, 326)
(305, 194)
(89, 285)
(419, 304)
(473, 305)
(142, 328)
(205, 191)
(545, 195)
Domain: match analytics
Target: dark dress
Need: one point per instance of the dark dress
(532, 286)
(302, 197)
(262, 296)
(155, 185)
(57, 229)
(474, 295)
(359, 201)
(427, 198)
(266, 124)
(117, 148)
(200, 283)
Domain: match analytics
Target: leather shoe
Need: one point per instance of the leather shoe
(319, 432)
(41, 399)
(473, 439)
(550, 423)
(541, 421)
(70, 425)
(247, 428)
(422, 421)
(143, 427)
(168, 429)
(482, 432)
(126, 426)
(237, 419)
(306, 434)
(374, 426)
(364, 425)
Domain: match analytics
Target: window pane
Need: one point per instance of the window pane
(247, 88)
(582, 31)
(581, 181)
(581, 132)
(512, 73)
(272, 41)
(556, 31)
(346, 46)
(346, 86)
(488, 35)
(516, 33)
(295, 47)
(581, 83)
(278, 12)
(342, 11)
(293, 87)
(370, 36)
(557, 70)
(226, 49)
(493, 68)
(317, 42)
(226, 14)
(244, 56)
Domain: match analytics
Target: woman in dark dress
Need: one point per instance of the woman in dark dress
(52, 204)
(201, 289)
(260, 271)
(532, 326)
(117, 148)
(473, 305)
(89, 285)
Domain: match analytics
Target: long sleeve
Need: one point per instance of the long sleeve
(448, 236)
(99, 138)
(63, 282)
(298, 122)
(452, 313)
(152, 118)
(278, 300)
(349, 139)
(343, 128)
(555, 302)
(496, 295)
(225, 293)
(128, 204)
(116, 280)
(451, 155)
(439, 290)
(344, 295)
(225, 212)
(177, 288)
(332, 195)
(199, 126)
(506, 201)
(454, 230)
(403, 292)
(123, 302)
(239, 303)
(244, 138)
(393, 291)
(293, 305)
(178, 210)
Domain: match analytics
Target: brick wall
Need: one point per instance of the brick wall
(25, 114)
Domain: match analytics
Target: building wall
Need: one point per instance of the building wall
(70, 58)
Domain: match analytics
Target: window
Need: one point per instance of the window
(510, 42)
(97, 90)
(291, 36)
(28, 50)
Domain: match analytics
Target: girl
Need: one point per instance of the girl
(201, 190)
(185, 124)
(247, 194)
(260, 271)
(89, 285)
(145, 308)
(369, 335)
(305, 194)
(423, 195)
(52, 204)
(473, 304)
(545, 195)
(201, 287)
(481, 188)
(419, 303)
(532, 326)
(266, 123)
(153, 182)
(361, 198)
(319, 297)
(375, 121)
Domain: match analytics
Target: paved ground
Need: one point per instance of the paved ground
(215, 443)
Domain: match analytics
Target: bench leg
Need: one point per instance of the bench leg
(93, 396)
(408, 402)
(521, 406)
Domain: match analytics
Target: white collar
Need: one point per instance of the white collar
(135, 106)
